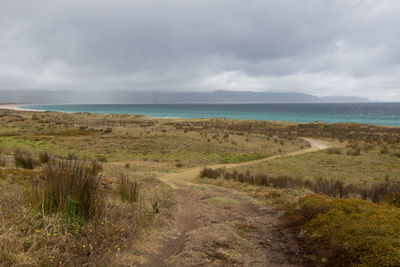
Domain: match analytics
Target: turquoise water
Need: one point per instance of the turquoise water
(369, 113)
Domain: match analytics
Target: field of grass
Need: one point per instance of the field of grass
(130, 138)
(94, 194)
(371, 166)
(55, 211)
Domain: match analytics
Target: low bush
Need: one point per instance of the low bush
(178, 164)
(128, 189)
(347, 232)
(354, 152)
(210, 173)
(334, 150)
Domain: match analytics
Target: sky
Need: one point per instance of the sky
(321, 47)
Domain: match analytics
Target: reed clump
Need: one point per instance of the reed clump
(24, 159)
(68, 187)
(128, 189)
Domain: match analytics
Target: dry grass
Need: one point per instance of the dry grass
(38, 207)
(136, 138)
(128, 189)
(68, 187)
(370, 167)
(24, 159)
(29, 236)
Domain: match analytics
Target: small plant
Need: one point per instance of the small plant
(128, 189)
(44, 157)
(127, 165)
(155, 207)
(3, 161)
(101, 158)
(178, 164)
(70, 216)
(94, 168)
(72, 156)
(108, 131)
(24, 160)
(334, 150)
(354, 152)
(210, 173)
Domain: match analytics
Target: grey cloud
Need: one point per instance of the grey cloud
(328, 47)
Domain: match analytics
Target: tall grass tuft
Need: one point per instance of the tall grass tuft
(44, 157)
(128, 189)
(3, 161)
(24, 160)
(68, 187)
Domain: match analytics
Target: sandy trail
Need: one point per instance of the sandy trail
(187, 175)
(219, 227)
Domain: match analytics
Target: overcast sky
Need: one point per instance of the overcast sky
(322, 47)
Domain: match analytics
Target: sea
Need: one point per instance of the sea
(367, 113)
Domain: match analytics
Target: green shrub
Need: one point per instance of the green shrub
(347, 232)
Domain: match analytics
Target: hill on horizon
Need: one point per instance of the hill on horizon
(125, 97)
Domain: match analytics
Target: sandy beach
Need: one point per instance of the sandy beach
(14, 107)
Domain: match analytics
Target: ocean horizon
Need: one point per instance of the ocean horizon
(367, 113)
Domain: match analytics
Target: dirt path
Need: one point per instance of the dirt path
(218, 227)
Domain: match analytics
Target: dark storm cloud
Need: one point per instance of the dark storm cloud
(341, 47)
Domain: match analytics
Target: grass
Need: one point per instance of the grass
(59, 211)
(371, 166)
(64, 214)
(135, 138)
(68, 187)
(24, 159)
(128, 189)
(3, 161)
(388, 191)
(262, 195)
(347, 232)
(223, 200)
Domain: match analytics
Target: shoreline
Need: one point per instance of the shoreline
(16, 107)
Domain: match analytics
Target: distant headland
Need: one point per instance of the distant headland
(137, 97)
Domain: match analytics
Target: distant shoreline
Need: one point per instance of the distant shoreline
(16, 107)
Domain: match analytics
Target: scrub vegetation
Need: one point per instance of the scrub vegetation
(91, 189)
